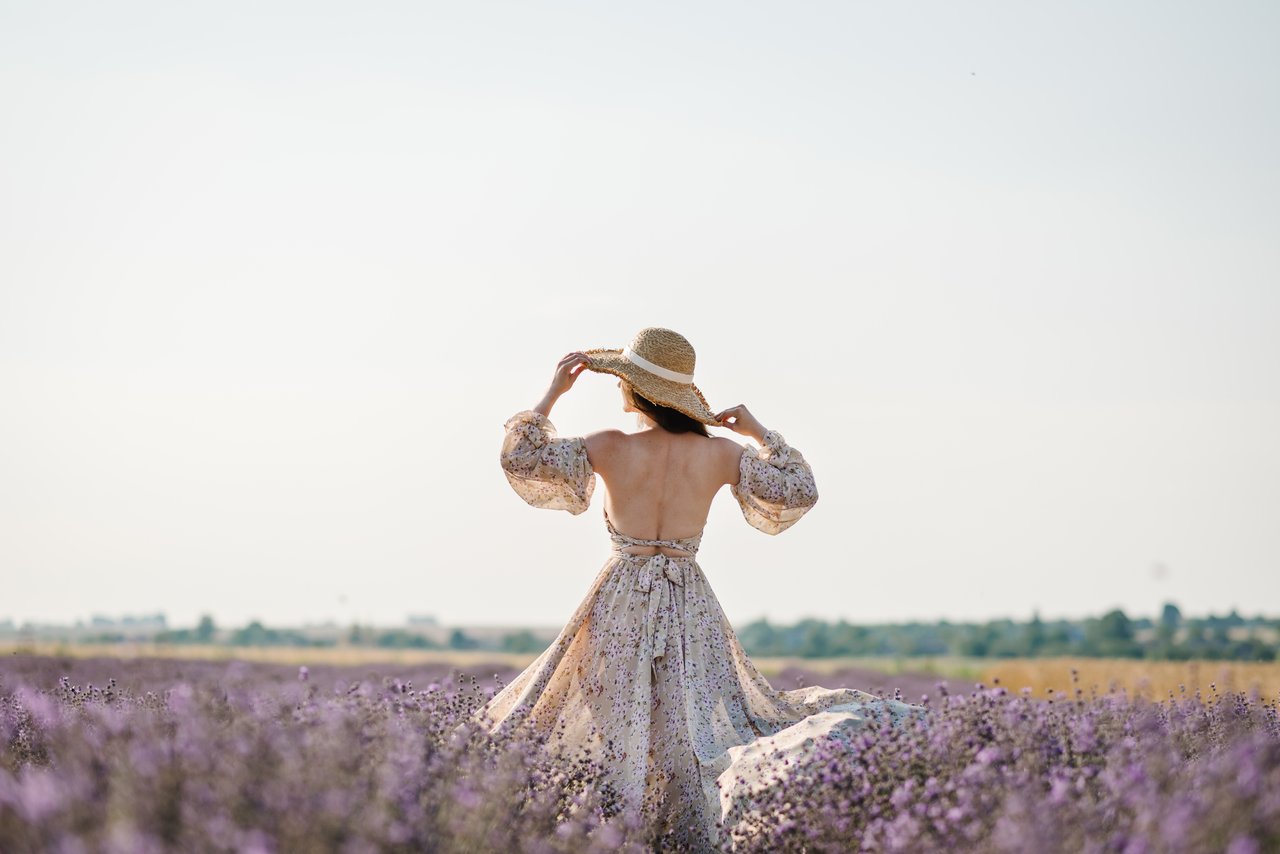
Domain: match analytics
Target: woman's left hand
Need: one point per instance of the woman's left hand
(740, 420)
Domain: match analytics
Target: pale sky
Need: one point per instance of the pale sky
(271, 281)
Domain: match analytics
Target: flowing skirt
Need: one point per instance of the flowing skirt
(649, 677)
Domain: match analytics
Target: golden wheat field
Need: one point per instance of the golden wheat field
(1151, 679)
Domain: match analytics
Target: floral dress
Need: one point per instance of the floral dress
(648, 674)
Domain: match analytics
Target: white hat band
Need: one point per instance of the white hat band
(656, 370)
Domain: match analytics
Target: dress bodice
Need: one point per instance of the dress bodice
(622, 541)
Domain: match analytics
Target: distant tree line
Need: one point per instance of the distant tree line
(1112, 635)
(256, 634)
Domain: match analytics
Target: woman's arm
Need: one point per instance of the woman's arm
(773, 485)
(563, 380)
(544, 469)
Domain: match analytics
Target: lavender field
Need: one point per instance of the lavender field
(157, 754)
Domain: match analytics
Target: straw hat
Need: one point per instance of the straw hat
(658, 363)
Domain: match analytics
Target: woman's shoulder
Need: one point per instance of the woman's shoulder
(603, 444)
(728, 456)
(727, 447)
(602, 438)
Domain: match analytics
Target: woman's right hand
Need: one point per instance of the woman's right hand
(743, 422)
(567, 372)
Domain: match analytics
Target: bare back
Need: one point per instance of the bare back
(660, 485)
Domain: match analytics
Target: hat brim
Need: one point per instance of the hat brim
(679, 396)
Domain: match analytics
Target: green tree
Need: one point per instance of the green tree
(1111, 634)
(402, 639)
(522, 641)
(815, 638)
(760, 638)
(1164, 646)
(254, 634)
(458, 639)
(1035, 638)
(205, 629)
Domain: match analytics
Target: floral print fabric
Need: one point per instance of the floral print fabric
(775, 485)
(648, 675)
(544, 470)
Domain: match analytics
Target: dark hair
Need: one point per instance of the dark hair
(671, 420)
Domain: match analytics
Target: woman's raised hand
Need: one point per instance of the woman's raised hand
(567, 372)
(742, 422)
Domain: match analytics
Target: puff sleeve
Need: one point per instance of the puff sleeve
(546, 471)
(775, 485)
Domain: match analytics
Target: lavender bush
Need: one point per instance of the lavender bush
(261, 766)
(1001, 772)
(259, 758)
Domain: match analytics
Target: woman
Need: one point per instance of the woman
(648, 674)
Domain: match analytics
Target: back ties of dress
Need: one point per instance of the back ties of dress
(623, 541)
(656, 578)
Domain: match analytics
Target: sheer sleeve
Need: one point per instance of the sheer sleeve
(546, 471)
(775, 485)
